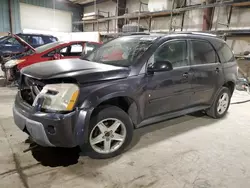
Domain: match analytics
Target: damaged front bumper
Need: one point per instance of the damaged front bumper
(49, 129)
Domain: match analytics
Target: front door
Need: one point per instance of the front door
(169, 91)
(206, 70)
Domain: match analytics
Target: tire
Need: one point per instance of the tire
(104, 119)
(214, 111)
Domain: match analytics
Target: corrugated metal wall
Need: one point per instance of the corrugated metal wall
(4, 16)
(16, 16)
(60, 5)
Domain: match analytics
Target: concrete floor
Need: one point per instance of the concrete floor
(190, 151)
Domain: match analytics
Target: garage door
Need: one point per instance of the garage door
(40, 18)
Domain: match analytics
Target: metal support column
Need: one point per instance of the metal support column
(10, 16)
(108, 23)
(183, 16)
(149, 23)
(171, 18)
(139, 18)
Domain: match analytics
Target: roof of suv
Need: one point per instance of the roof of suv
(201, 35)
(171, 34)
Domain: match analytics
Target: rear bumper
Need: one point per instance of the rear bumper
(49, 129)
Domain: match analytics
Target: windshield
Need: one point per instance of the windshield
(123, 51)
(3, 38)
(47, 47)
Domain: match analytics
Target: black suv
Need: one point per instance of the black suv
(96, 102)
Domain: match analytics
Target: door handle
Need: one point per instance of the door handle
(185, 75)
(217, 70)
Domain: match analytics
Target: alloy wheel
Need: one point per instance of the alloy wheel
(223, 103)
(107, 135)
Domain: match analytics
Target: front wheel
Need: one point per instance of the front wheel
(111, 131)
(221, 104)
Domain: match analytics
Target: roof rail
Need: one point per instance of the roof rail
(136, 33)
(203, 33)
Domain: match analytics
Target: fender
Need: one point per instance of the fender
(96, 97)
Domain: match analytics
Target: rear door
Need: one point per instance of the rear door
(206, 71)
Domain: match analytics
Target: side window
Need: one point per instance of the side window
(37, 40)
(52, 39)
(50, 54)
(76, 49)
(63, 50)
(203, 53)
(174, 51)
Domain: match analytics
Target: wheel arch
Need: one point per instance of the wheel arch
(131, 108)
(230, 85)
(126, 103)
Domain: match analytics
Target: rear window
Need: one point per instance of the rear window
(37, 40)
(53, 39)
(225, 53)
(33, 39)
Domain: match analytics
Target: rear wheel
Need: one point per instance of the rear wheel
(111, 131)
(221, 104)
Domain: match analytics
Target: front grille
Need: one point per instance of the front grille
(30, 88)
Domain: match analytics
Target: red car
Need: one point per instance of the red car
(52, 51)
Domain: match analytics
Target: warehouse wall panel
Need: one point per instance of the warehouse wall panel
(4, 16)
(41, 18)
(75, 9)
(134, 6)
(239, 19)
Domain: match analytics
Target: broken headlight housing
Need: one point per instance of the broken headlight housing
(11, 63)
(58, 97)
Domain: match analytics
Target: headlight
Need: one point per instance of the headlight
(59, 97)
(12, 63)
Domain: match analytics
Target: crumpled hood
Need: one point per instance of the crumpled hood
(81, 70)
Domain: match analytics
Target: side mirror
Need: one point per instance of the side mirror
(160, 66)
